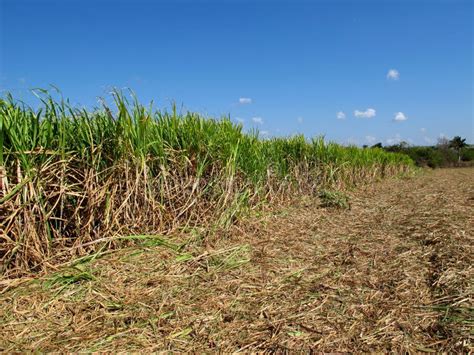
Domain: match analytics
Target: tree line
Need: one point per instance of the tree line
(446, 153)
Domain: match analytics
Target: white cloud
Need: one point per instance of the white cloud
(370, 139)
(394, 140)
(399, 117)
(341, 115)
(264, 133)
(428, 140)
(240, 120)
(300, 119)
(258, 120)
(352, 141)
(369, 113)
(245, 100)
(393, 74)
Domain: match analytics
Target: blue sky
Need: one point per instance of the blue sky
(391, 70)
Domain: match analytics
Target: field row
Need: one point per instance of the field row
(72, 180)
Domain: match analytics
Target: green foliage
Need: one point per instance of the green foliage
(69, 277)
(467, 154)
(131, 131)
(334, 199)
(442, 155)
(457, 143)
(76, 177)
(428, 156)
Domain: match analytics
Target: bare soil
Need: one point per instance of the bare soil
(392, 273)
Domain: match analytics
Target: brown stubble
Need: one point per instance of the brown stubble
(393, 273)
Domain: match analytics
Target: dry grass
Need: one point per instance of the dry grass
(393, 273)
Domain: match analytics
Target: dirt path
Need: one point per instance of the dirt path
(394, 272)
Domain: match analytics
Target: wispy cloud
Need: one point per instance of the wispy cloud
(352, 141)
(370, 139)
(369, 113)
(299, 119)
(394, 140)
(245, 100)
(399, 117)
(264, 133)
(428, 140)
(340, 115)
(257, 120)
(239, 119)
(393, 74)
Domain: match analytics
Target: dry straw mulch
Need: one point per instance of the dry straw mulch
(392, 273)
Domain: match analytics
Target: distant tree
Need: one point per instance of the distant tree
(443, 142)
(365, 146)
(377, 145)
(457, 143)
(404, 145)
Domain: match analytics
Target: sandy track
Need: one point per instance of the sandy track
(394, 272)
